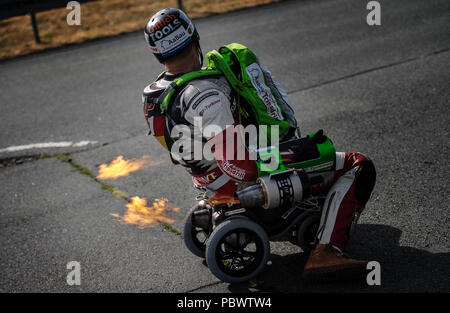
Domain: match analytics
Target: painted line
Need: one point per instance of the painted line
(44, 145)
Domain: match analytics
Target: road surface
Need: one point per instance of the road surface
(381, 90)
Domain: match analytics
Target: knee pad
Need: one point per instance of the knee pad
(364, 181)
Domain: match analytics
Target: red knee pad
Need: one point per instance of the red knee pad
(365, 178)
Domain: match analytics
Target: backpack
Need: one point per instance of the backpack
(260, 98)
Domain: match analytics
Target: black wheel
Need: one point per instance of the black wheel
(195, 237)
(237, 250)
(307, 232)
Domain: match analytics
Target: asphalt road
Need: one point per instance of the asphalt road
(381, 90)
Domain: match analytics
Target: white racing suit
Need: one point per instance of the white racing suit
(212, 101)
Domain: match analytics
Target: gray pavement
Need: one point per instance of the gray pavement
(379, 90)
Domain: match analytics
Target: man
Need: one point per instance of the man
(174, 40)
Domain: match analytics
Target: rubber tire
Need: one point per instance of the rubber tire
(187, 235)
(220, 231)
(305, 225)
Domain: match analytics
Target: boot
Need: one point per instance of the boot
(327, 263)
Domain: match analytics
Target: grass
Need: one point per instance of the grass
(67, 158)
(116, 192)
(171, 229)
(63, 157)
(82, 170)
(99, 19)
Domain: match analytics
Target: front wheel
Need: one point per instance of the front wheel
(237, 250)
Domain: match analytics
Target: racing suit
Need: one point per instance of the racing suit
(212, 101)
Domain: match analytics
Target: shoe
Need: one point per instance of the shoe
(327, 263)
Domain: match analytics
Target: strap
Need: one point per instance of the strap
(169, 90)
(175, 86)
(221, 63)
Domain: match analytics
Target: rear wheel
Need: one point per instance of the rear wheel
(307, 232)
(195, 237)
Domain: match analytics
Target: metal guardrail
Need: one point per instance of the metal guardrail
(11, 8)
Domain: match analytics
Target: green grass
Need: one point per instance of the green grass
(171, 229)
(115, 192)
(82, 170)
(67, 158)
(63, 157)
(47, 36)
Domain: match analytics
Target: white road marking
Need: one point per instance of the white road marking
(43, 145)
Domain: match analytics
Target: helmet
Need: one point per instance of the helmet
(168, 32)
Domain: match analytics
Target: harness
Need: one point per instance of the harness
(257, 97)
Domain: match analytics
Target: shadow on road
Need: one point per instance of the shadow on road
(403, 269)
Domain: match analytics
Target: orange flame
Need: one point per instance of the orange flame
(120, 167)
(220, 199)
(140, 214)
